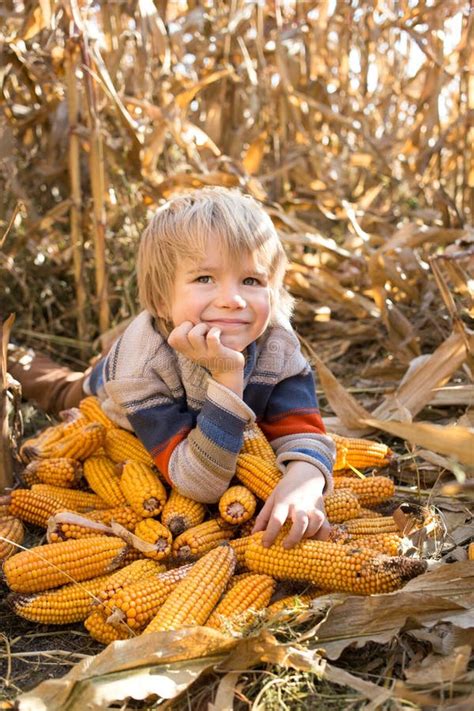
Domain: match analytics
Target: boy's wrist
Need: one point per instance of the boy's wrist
(302, 468)
(232, 379)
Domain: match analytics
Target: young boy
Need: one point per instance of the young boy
(214, 351)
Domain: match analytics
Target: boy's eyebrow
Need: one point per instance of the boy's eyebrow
(209, 268)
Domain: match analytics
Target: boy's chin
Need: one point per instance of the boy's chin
(234, 342)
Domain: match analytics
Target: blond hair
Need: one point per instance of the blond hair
(187, 224)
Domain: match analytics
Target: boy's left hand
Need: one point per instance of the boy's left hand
(299, 497)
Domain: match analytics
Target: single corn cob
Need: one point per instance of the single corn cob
(51, 565)
(180, 513)
(388, 543)
(239, 604)
(4, 506)
(92, 411)
(143, 490)
(71, 603)
(71, 498)
(11, 533)
(32, 507)
(79, 444)
(370, 491)
(121, 445)
(194, 598)
(197, 541)
(138, 603)
(470, 551)
(257, 444)
(371, 526)
(104, 479)
(368, 513)
(100, 630)
(237, 505)
(331, 566)
(239, 546)
(289, 605)
(64, 472)
(256, 474)
(135, 572)
(50, 436)
(359, 453)
(154, 532)
(341, 505)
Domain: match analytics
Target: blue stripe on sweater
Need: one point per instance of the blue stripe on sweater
(294, 394)
(96, 377)
(315, 455)
(155, 426)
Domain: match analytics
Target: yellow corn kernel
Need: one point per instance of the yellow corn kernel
(155, 533)
(197, 541)
(78, 444)
(239, 546)
(180, 513)
(54, 564)
(138, 603)
(100, 630)
(135, 572)
(143, 490)
(257, 475)
(371, 490)
(331, 566)
(237, 505)
(370, 526)
(11, 533)
(194, 598)
(104, 479)
(257, 444)
(239, 604)
(359, 453)
(124, 515)
(71, 498)
(341, 506)
(64, 472)
(121, 445)
(33, 507)
(92, 410)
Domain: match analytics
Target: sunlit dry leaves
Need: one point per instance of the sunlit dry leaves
(444, 594)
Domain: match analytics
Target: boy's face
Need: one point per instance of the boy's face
(233, 296)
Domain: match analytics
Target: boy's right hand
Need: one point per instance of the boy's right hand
(201, 343)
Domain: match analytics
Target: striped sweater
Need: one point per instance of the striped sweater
(192, 425)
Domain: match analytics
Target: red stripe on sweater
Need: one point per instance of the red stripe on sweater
(296, 423)
(163, 456)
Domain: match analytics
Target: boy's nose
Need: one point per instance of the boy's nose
(231, 298)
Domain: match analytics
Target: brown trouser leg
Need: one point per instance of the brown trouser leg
(51, 386)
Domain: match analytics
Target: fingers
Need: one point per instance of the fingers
(298, 529)
(324, 531)
(275, 522)
(316, 520)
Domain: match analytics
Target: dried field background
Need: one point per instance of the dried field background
(352, 122)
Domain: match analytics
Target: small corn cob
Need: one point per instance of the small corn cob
(79, 444)
(259, 476)
(341, 505)
(135, 572)
(180, 513)
(239, 546)
(51, 565)
(331, 566)
(142, 489)
(138, 603)
(152, 531)
(11, 533)
(121, 445)
(371, 526)
(49, 436)
(71, 498)
(359, 453)
(257, 444)
(237, 505)
(197, 541)
(289, 605)
(63, 472)
(371, 490)
(104, 479)
(239, 604)
(71, 603)
(100, 630)
(124, 515)
(93, 412)
(32, 507)
(194, 598)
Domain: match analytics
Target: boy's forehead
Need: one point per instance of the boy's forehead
(214, 261)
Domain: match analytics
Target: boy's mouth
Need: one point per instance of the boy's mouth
(227, 322)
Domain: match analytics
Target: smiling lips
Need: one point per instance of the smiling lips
(228, 322)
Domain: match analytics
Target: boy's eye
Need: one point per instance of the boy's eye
(254, 281)
(203, 279)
